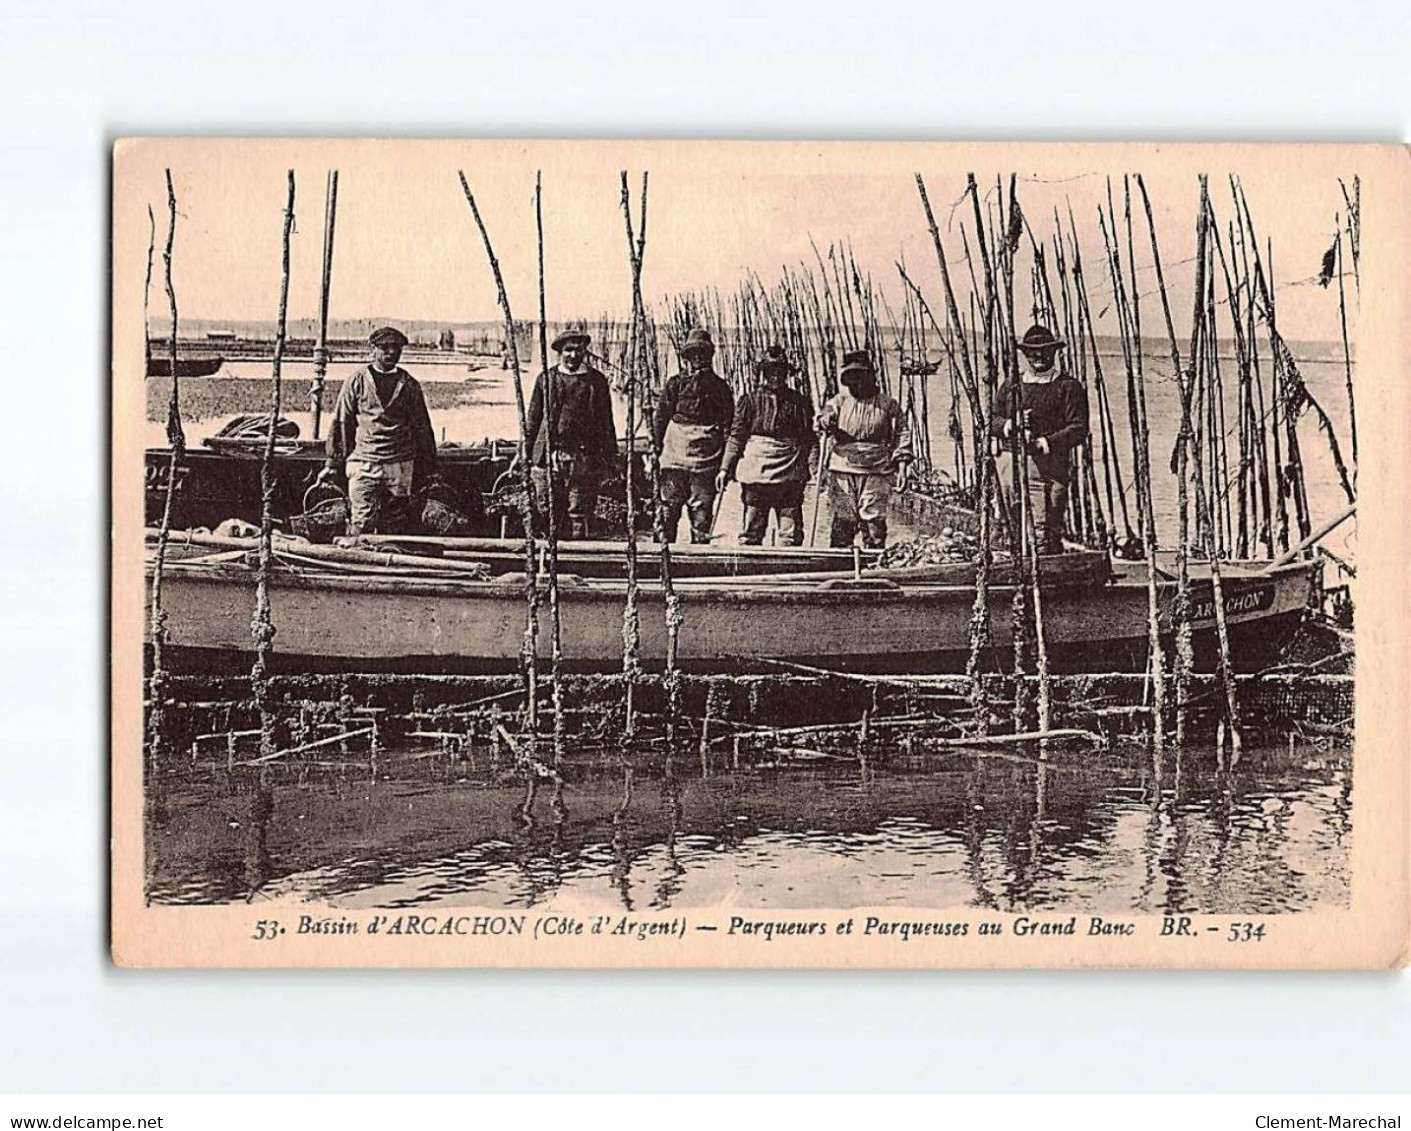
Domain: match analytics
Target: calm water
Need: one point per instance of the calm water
(1104, 833)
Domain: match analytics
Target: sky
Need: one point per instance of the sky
(406, 245)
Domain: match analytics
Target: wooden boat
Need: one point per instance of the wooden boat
(221, 479)
(456, 615)
(185, 366)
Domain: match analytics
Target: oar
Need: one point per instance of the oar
(1317, 536)
(818, 487)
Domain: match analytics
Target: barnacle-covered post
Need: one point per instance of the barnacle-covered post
(1202, 367)
(176, 439)
(631, 619)
(555, 625)
(262, 627)
(1004, 239)
(1181, 611)
(979, 634)
(529, 646)
(1129, 319)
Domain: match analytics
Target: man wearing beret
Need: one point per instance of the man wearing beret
(381, 438)
(1053, 417)
(692, 418)
(581, 433)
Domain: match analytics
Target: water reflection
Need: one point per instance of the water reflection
(255, 838)
(1116, 834)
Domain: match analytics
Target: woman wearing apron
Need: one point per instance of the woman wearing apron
(768, 451)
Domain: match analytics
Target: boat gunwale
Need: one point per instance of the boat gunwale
(829, 587)
(516, 546)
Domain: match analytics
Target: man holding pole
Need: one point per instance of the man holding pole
(581, 435)
(381, 437)
(1053, 413)
(693, 414)
(871, 441)
(768, 451)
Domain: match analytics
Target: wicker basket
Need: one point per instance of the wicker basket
(322, 522)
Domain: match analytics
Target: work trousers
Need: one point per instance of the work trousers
(695, 492)
(379, 497)
(859, 502)
(785, 500)
(1049, 500)
(576, 483)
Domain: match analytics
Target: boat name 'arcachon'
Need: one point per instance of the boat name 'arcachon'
(1327, 1122)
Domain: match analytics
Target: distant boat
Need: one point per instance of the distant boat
(185, 366)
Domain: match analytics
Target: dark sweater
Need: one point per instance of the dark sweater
(1060, 416)
(783, 415)
(382, 418)
(582, 423)
(702, 398)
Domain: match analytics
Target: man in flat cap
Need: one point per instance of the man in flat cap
(871, 440)
(381, 438)
(1053, 416)
(579, 430)
(768, 451)
(692, 417)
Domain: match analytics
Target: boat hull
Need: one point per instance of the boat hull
(185, 366)
(432, 625)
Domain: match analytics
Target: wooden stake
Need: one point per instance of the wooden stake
(176, 438)
(1136, 402)
(529, 647)
(1181, 612)
(980, 611)
(555, 623)
(330, 211)
(262, 628)
(631, 626)
(1227, 676)
(1347, 358)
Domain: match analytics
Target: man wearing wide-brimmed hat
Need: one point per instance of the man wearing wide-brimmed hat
(1053, 421)
(692, 417)
(768, 451)
(381, 438)
(871, 440)
(579, 431)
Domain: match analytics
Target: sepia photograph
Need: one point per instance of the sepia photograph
(757, 553)
(848, 565)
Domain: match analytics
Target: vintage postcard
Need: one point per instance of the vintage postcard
(759, 554)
